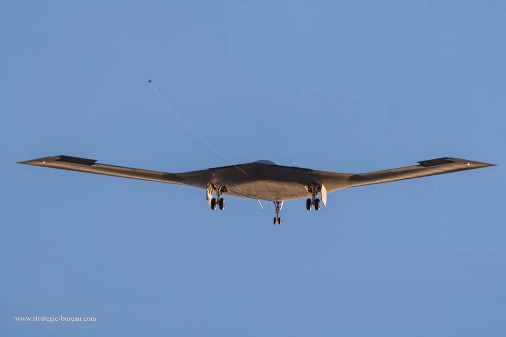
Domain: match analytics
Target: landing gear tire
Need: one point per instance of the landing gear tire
(221, 204)
(277, 220)
(308, 204)
(213, 203)
(317, 204)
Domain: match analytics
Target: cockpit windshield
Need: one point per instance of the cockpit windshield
(268, 162)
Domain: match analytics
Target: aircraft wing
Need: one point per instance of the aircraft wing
(264, 181)
(423, 169)
(91, 166)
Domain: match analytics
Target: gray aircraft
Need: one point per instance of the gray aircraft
(264, 180)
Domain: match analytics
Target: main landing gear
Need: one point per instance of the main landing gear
(218, 200)
(313, 201)
(279, 206)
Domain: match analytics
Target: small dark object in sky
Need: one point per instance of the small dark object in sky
(149, 81)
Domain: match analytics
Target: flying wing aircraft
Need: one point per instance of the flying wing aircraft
(264, 180)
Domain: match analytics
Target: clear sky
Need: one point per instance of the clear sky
(346, 86)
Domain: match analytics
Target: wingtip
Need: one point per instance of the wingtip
(53, 160)
(37, 161)
(483, 164)
(473, 163)
(26, 162)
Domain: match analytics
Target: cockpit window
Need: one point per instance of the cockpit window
(268, 162)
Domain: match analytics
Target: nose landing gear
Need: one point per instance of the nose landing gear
(279, 206)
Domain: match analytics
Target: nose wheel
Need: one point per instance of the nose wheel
(279, 206)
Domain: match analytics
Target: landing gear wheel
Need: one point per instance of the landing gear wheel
(275, 220)
(317, 204)
(279, 221)
(308, 204)
(221, 204)
(213, 203)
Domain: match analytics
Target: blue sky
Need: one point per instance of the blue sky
(340, 86)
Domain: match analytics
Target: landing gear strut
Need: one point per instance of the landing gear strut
(218, 200)
(313, 201)
(279, 206)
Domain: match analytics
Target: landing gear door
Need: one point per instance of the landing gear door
(323, 192)
(209, 194)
